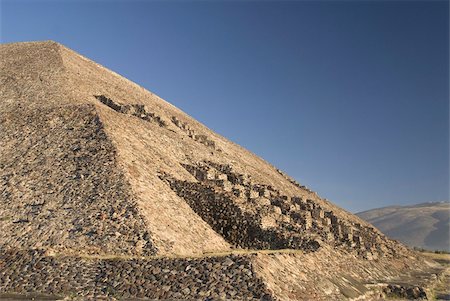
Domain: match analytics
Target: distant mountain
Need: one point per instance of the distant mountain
(423, 225)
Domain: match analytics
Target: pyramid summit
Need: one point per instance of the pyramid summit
(108, 190)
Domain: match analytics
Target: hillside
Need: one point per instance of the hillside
(423, 225)
(107, 190)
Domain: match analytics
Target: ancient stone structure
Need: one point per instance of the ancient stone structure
(137, 110)
(184, 126)
(228, 277)
(60, 186)
(108, 191)
(235, 207)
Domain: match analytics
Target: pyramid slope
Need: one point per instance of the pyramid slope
(135, 176)
(31, 74)
(60, 181)
(168, 159)
(140, 142)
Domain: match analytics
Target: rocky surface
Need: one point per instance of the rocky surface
(93, 166)
(257, 216)
(393, 291)
(137, 110)
(327, 275)
(209, 278)
(61, 187)
(201, 138)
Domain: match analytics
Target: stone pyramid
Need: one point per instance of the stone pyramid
(108, 190)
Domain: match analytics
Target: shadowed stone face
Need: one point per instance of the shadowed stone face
(218, 278)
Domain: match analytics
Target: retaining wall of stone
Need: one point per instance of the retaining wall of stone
(137, 110)
(254, 215)
(201, 138)
(209, 278)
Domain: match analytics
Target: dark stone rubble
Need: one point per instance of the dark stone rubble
(209, 278)
(136, 110)
(236, 207)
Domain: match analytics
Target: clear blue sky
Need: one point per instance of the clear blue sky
(349, 97)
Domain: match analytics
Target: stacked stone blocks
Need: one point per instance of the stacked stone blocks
(237, 208)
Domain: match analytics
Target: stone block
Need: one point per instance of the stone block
(369, 256)
(307, 221)
(227, 186)
(307, 214)
(222, 177)
(268, 222)
(294, 207)
(264, 192)
(286, 218)
(263, 201)
(297, 200)
(318, 213)
(211, 175)
(347, 229)
(357, 239)
(326, 221)
(329, 236)
(348, 236)
(252, 194)
(276, 210)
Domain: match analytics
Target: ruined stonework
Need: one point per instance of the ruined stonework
(257, 216)
(201, 138)
(137, 110)
(241, 229)
(108, 191)
(210, 278)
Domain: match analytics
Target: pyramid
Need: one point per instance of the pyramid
(108, 190)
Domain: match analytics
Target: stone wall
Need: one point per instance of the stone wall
(210, 278)
(293, 181)
(201, 138)
(61, 187)
(239, 228)
(136, 110)
(254, 215)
